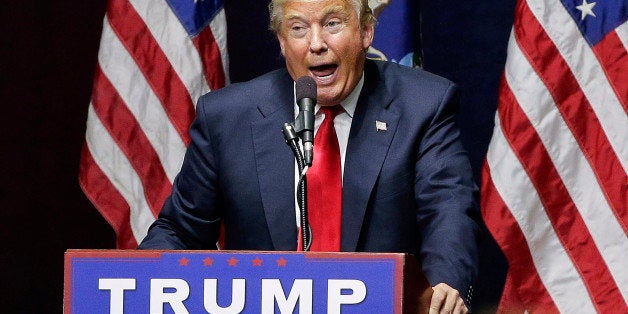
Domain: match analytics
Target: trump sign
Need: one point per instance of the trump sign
(233, 282)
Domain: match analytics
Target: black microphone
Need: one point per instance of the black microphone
(306, 99)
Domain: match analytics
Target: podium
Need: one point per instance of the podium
(115, 281)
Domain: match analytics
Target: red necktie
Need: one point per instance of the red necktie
(324, 186)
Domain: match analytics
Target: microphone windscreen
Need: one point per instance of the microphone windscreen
(306, 88)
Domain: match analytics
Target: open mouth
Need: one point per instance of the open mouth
(324, 71)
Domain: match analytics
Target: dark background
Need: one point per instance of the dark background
(48, 52)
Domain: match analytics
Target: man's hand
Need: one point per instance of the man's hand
(446, 300)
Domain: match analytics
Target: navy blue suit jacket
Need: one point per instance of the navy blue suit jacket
(405, 189)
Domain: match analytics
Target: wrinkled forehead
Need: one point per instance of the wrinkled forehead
(327, 5)
(297, 8)
(357, 8)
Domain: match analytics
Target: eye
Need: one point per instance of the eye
(334, 25)
(297, 29)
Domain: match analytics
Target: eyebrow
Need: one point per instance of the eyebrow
(334, 9)
(326, 12)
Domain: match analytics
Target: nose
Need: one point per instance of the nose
(318, 43)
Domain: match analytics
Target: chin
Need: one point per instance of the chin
(326, 98)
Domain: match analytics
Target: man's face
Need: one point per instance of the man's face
(323, 39)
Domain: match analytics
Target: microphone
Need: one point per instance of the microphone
(306, 99)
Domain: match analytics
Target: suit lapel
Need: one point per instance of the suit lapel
(366, 151)
(274, 161)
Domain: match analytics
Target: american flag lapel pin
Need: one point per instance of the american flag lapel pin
(381, 126)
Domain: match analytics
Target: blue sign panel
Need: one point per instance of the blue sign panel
(231, 282)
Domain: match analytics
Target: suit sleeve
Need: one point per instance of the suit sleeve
(446, 196)
(190, 217)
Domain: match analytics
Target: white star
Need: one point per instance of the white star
(586, 9)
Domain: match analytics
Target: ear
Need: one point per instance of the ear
(281, 43)
(368, 33)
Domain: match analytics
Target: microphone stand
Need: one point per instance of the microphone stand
(290, 132)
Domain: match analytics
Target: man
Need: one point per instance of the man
(406, 181)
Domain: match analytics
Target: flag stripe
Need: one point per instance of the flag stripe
(151, 60)
(521, 269)
(562, 42)
(571, 230)
(587, 196)
(120, 173)
(613, 57)
(510, 301)
(207, 47)
(139, 98)
(219, 31)
(172, 38)
(108, 201)
(576, 110)
(124, 129)
(211, 43)
(557, 272)
(622, 34)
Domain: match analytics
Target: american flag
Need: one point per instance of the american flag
(555, 183)
(155, 60)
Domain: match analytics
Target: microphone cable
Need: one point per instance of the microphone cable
(301, 193)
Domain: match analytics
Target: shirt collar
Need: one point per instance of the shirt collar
(351, 101)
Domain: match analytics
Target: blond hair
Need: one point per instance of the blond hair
(275, 8)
